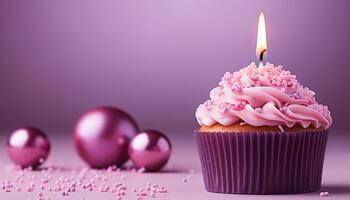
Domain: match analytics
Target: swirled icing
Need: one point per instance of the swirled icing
(264, 95)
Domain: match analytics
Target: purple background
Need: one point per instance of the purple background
(158, 59)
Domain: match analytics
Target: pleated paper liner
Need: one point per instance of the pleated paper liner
(262, 162)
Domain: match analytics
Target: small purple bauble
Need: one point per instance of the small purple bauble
(28, 147)
(102, 135)
(150, 150)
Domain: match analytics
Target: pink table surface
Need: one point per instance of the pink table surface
(336, 175)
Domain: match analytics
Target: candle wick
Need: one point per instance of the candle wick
(261, 60)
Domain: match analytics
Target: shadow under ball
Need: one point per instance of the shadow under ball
(102, 135)
(28, 147)
(150, 150)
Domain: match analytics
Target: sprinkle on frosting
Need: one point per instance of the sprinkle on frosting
(264, 95)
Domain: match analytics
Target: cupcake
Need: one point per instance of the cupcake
(262, 132)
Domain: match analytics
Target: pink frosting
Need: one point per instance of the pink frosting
(264, 95)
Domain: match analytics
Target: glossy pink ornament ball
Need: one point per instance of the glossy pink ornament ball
(28, 147)
(102, 135)
(150, 150)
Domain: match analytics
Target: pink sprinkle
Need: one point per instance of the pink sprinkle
(281, 128)
(283, 109)
(242, 123)
(141, 170)
(324, 194)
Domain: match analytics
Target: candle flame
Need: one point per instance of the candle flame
(261, 45)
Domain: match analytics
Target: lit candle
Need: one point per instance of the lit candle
(261, 45)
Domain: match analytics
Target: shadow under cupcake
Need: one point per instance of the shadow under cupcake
(262, 132)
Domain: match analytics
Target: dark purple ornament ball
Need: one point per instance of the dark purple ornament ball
(102, 135)
(28, 147)
(150, 150)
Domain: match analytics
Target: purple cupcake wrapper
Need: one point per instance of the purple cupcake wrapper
(262, 162)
